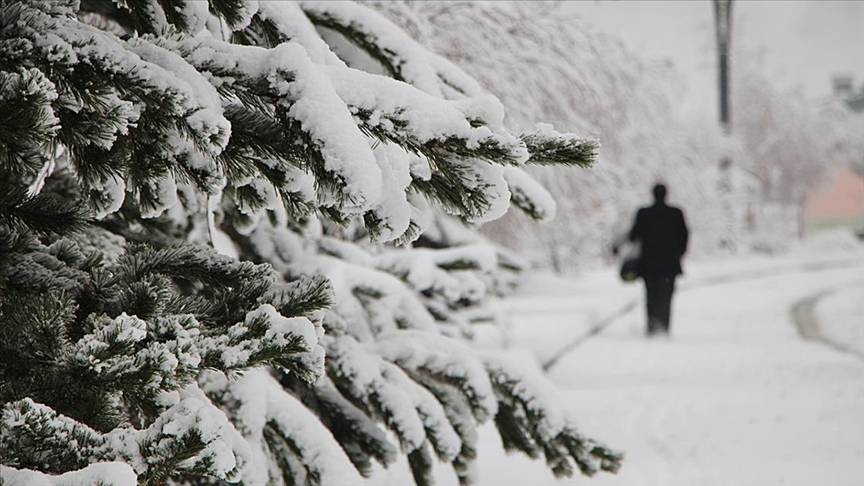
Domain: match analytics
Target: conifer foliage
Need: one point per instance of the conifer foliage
(224, 255)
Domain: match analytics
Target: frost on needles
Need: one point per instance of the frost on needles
(229, 254)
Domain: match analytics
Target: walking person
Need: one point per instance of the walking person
(662, 234)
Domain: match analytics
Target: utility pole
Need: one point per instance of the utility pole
(723, 30)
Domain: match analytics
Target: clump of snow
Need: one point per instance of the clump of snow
(422, 213)
(196, 14)
(366, 376)
(527, 192)
(260, 401)
(443, 357)
(391, 304)
(161, 195)
(532, 389)
(312, 101)
(225, 452)
(108, 335)
(240, 344)
(103, 473)
(490, 179)
(424, 269)
(416, 65)
(111, 192)
(419, 167)
(293, 24)
(392, 210)
(425, 116)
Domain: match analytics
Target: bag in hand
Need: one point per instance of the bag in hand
(630, 269)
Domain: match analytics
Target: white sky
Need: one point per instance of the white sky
(801, 43)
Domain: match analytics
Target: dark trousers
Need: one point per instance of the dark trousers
(658, 301)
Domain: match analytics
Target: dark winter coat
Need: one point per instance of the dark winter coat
(662, 233)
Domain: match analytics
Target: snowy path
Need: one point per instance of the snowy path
(834, 316)
(717, 278)
(736, 397)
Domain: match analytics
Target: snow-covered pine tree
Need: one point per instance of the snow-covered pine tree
(137, 136)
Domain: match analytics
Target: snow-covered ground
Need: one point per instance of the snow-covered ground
(735, 397)
(840, 314)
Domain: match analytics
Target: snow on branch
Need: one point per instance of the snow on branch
(280, 430)
(102, 473)
(444, 359)
(300, 99)
(141, 368)
(192, 436)
(278, 22)
(27, 95)
(266, 337)
(117, 350)
(530, 420)
(403, 57)
(529, 195)
(457, 138)
(372, 300)
(437, 128)
(363, 377)
(143, 346)
(388, 393)
(357, 433)
(442, 271)
(117, 102)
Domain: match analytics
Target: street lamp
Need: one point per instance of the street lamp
(723, 30)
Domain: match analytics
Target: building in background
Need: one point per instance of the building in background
(840, 201)
(844, 89)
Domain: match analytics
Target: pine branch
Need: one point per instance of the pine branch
(135, 125)
(449, 186)
(301, 297)
(420, 461)
(256, 134)
(362, 39)
(233, 11)
(400, 56)
(192, 263)
(548, 147)
(357, 434)
(396, 129)
(27, 120)
(527, 422)
(43, 214)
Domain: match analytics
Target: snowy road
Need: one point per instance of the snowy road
(806, 317)
(736, 397)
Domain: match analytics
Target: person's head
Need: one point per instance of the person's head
(659, 192)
